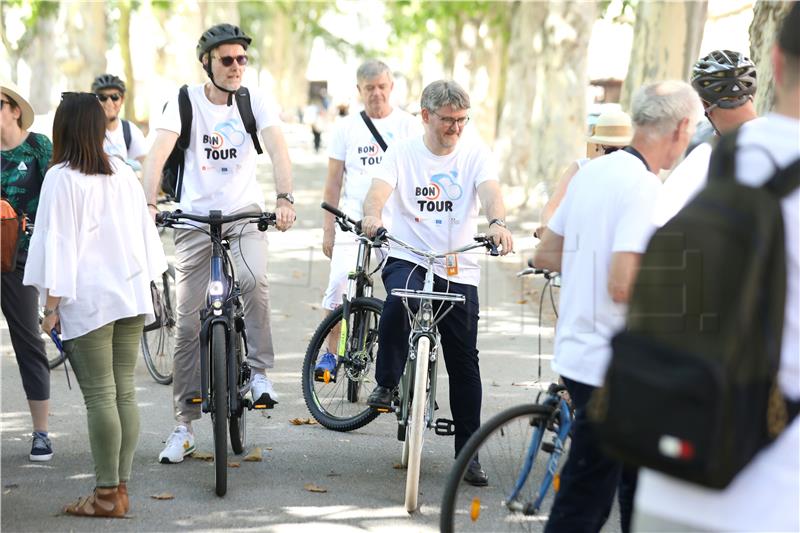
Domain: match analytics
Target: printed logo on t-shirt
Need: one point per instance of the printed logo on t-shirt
(223, 143)
(439, 195)
(370, 154)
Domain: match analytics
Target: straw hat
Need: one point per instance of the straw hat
(613, 128)
(12, 91)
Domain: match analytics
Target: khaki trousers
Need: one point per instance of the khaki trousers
(192, 271)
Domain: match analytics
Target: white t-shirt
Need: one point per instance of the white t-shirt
(765, 496)
(95, 246)
(353, 143)
(607, 209)
(114, 143)
(220, 167)
(434, 205)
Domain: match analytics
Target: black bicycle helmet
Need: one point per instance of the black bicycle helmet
(108, 81)
(724, 78)
(221, 34)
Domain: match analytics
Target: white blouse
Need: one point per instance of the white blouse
(95, 246)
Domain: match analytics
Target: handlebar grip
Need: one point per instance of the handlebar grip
(530, 263)
(161, 217)
(493, 251)
(332, 210)
(380, 235)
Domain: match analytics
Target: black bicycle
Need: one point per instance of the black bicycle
(224, 371)
(337, 400)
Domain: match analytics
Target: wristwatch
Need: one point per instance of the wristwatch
(286, 196)
(47, 312)
(499, 221)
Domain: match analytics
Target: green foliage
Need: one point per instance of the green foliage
(622, 12)
(36, 10)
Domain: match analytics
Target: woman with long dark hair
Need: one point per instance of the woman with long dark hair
(92, 257)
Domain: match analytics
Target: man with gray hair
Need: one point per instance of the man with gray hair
(595, 239)
(426, 193)
(354, 151)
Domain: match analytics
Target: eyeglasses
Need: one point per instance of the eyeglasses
(228, 60)
(114, 97)
(450, 121)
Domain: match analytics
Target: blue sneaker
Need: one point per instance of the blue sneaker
(326, 362)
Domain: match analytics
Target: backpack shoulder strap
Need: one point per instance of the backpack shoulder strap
(185, 111)
(126, 133)
(246, 112)
(373, 130)
(722, 166)
(785, 181)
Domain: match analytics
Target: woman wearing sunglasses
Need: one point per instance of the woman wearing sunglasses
(612, 131)
(92, 257)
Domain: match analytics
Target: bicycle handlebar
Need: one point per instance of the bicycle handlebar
(533, 270)
(169, 218)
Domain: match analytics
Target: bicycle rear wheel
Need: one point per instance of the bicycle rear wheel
(416, 424)
(341, 404)
(516, 448)
(219, 408)
(158, 343)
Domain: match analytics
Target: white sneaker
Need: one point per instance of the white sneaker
(264, 395)
(179, 444)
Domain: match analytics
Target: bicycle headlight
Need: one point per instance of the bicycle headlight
(216, 288)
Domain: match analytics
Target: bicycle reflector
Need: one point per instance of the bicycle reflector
(475, 509)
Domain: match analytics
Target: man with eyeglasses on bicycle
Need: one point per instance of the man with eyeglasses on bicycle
(426, 193)
(220, 175)
(354, 152)
(123, 137)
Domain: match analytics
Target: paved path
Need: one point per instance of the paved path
(364, 491)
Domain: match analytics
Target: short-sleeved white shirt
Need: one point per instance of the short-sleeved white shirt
(353, 143)
(607, 209)
(765, 495)
(434, 205)
(114, 143)
(95, 246)
(220, 167)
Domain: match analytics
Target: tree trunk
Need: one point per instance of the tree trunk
(543, 120)
(42, 62)
(767, 17)
(86, 42)
(666, 41)
(214, 12)
(125, 51)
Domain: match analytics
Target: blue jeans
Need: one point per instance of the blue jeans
(589, 478)
(459, 335)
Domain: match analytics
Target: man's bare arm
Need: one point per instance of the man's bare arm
(622, 275)
(377, 196)
(331, 195)
(282, 172)
(154, 164)
(491, 196)
(549, 252)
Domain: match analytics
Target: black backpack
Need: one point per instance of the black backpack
(172, 174)
(691, 389)
(126, 133)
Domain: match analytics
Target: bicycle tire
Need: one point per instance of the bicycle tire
(219, 408)
(238, 421)
(158, 345)
(502, 444)
(341, 405)
(416, 424)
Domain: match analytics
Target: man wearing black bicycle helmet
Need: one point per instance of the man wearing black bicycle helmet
(726, 83)
(219, 173)
(123, 138)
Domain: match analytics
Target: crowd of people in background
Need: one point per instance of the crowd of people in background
(88, 206)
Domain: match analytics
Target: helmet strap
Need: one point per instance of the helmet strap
(207, 67)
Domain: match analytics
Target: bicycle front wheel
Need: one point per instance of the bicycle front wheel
(340, 403)
(158, 343)
(237, 422)
(416, 424)
(516, 448)
(219, 408)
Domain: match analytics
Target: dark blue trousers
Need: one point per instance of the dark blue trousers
(589, 478)
(459, 337)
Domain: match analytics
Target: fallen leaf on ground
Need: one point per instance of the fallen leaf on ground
(269, 448)
(233, 465)
(203, 456)
(253, 456)
(302, 421)
(311, 487)
(522, 302)
(398, 466)
(163, 496)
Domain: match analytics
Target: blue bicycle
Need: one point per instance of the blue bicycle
(511, 447)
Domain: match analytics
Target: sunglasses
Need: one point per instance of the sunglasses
(114, 97)
(228, 60)
(3, 103)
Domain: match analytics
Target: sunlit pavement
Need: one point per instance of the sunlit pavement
(364, 491)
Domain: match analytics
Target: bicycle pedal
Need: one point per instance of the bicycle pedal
(385, 409)
(268, 404)
(548, 447)
(444, 427)
(194, 401)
